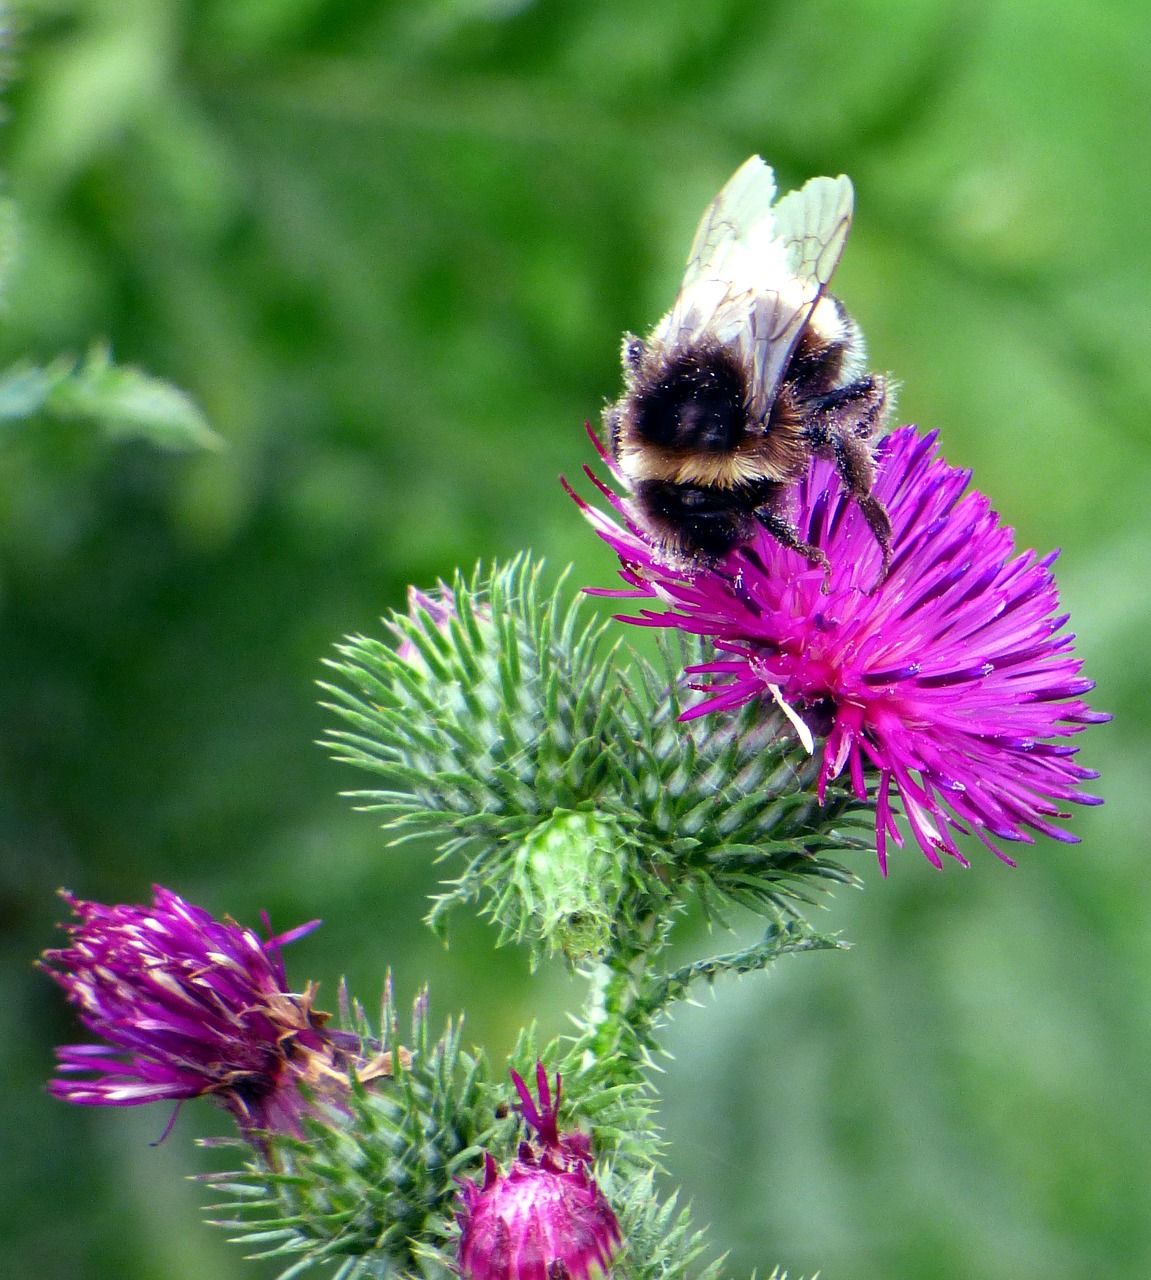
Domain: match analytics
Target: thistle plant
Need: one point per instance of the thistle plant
(582, 798)
(850, 652)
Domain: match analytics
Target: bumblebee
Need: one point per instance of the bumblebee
(753, 370)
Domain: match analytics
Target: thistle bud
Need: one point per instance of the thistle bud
(545, 1219)
(570, 872)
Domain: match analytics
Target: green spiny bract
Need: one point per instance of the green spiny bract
(660, 1242)
(728, 804)
(373, 1189)
(504, 726)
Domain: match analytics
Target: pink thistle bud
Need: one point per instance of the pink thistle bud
(546, 1219)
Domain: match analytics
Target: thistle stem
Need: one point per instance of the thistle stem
(614, 1001)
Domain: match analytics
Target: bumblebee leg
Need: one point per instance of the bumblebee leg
(844, 426)
(632, 354)
(784, 532)
(852, 412)
(856, 466)
(875, 513)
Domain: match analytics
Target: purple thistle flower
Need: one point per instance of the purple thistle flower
(951, 678)
(545, 1219)
(189, 1005)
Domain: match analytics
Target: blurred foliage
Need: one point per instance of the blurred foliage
(388, 249)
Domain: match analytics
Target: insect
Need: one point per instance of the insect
(753, 370)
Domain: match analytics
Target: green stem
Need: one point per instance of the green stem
(787, 938)
(613, 1002)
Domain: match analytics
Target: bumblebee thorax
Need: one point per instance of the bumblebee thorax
(692, 399)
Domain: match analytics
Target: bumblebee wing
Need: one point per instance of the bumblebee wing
(739, 217)
(756, 270)
(811, 227)
(742, 211)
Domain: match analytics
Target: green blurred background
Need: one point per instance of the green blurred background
(390, 249)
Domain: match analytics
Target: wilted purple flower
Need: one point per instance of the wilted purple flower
(189, 1005)
(545, 1219)
(952, 678)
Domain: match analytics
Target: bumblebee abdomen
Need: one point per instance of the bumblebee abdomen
(696, 520)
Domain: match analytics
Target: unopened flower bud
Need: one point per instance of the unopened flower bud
(571, 876)
(545, 1219)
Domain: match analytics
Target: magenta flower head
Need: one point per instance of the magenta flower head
(545, 1219)
(188, 1005)
(951, 682)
